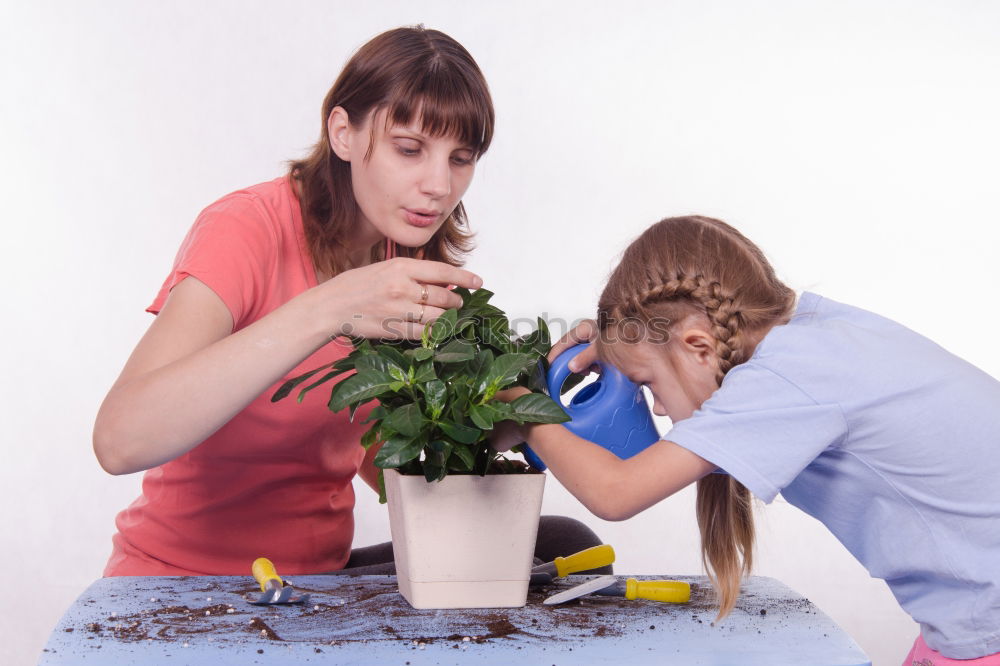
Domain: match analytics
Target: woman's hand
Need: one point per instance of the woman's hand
(390, 299)
(582, 333)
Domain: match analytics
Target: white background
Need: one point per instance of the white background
(856, 142)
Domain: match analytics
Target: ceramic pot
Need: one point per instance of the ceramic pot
(466, 541)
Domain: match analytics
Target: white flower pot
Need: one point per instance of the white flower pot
(466, 541)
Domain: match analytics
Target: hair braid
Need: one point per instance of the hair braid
(719, 305)
(724, 314)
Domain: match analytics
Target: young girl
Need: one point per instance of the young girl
(888, 439)
(263, 283)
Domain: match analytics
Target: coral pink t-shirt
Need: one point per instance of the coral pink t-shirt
(275, 481)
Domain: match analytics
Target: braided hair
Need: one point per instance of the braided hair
(700, 265)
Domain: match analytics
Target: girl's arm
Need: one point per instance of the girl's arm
(190, 374)
(611, 488)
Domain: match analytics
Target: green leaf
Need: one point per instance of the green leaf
(407, 420)
(479, 370)
(506, 368)
(537, 408)
(420, 353)
(358, 389)
(362, 347)
(482, 416)
(501, 410)
(444, 327)
(398, 374)
(378, 412)
(382, 499)
(526, 343)
(460, 433)
(287, 387)
(492, 312)
(545, 337)
(393, 354)
(482, 362)
(464, 293)
(465, 323)
(456, 351)
(479, 298)
(322, 380)
(378, 363)
(461, 396)
(397, 451)
(465, 456)
(436, 462)
(497, 335)
(436, 393)
(425, 373)
(370, 437)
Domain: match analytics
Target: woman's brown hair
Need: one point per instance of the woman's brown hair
(405, 71)
(693, 264)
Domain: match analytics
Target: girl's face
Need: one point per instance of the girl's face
(681, 373)
(409, 184)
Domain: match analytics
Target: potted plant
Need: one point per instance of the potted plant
(463, 517)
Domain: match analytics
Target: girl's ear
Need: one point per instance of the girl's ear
(338, 127)
(700, 345)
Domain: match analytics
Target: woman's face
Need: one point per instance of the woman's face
(410, 182)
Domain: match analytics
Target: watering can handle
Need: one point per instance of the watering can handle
(557, 374)
(559, 371)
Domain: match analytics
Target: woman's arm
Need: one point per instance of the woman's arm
(190, 374)
(367, 470)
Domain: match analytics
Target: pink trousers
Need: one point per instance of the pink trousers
(922, 655)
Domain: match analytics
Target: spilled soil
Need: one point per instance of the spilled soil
(347, 610)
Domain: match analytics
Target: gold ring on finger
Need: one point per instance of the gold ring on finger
(423, 294)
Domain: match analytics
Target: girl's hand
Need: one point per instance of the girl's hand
(506, 435)
(390, 299)
(582, 333)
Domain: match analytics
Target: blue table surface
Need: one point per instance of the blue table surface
(364, 620)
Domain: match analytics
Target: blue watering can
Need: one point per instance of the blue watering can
(611, 411)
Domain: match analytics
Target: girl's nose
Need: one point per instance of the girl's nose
(436, 182)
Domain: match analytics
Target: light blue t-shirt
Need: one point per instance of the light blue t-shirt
(890, 441)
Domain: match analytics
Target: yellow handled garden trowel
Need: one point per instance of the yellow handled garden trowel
(669, 591)
(273, 589)
(585, 560)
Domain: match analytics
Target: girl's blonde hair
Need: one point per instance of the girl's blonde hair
(694, 264)
(407, 72)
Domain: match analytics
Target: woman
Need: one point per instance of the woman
(263, 283)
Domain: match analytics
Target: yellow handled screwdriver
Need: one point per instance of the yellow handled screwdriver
(274, 590)
(670, 591)
(585, 560)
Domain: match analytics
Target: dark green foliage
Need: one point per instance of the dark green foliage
(436, 398)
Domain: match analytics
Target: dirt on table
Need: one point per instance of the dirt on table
(370, 609)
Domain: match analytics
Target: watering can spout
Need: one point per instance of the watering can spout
(611, 411)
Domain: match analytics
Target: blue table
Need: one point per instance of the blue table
(364, 620)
